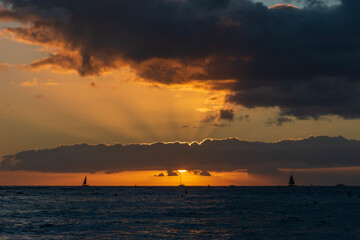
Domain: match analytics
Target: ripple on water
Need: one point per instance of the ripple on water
(161, 212)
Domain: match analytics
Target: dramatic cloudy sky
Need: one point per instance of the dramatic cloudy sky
(133, 72)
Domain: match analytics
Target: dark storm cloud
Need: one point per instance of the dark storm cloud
(226, 114)
(313, 99)
(304, 61)
(212, 155)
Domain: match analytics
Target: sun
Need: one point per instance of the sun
(182, 171)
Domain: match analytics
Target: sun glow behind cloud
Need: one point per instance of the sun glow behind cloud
(139, 113)
(127, 178)
(328, 176)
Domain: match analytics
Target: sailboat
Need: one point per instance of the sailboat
(181, 183)
(291, 181)
(84, 183)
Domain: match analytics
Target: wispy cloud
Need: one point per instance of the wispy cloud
(226, 114)
(40, 97)
(3, 66)
(34, 83)
(278, 121)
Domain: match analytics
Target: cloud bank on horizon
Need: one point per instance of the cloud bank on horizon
(302, 60)
(210, 155)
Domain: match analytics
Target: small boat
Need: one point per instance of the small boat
(181, 185)
(84, 183)
(291, 181)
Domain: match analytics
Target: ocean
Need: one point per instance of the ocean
(170, 213)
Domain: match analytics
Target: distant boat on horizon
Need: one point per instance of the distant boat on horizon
(84, 183)
(291, 181)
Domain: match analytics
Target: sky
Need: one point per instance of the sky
(165, 78)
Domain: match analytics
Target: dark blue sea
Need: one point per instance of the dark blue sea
(169, 213)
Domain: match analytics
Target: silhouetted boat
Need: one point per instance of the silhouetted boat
(84, 183)
(181, 185)
(291, 181)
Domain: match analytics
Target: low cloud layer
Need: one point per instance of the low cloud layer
(210, 155)
(304, 61)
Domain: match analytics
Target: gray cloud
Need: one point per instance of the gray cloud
(226, 114)
(304, 61)
(220, 125)
(209, 119)
(171, 173)
(202, 173)
(40, 97)
(278, 121)
(160, 175)
(212, 155)
(245, 118)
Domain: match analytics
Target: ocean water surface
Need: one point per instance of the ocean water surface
(169, 213)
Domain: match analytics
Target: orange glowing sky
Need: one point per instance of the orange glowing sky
(147, 178)
(128, 178)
